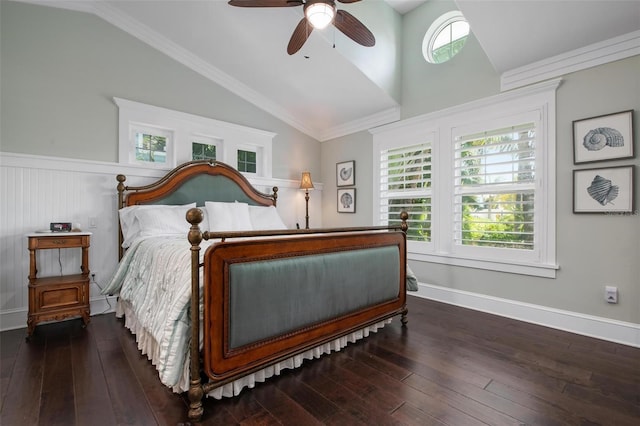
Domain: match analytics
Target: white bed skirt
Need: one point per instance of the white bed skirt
(149, 347)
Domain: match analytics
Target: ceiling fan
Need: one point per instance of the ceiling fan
(317, 14)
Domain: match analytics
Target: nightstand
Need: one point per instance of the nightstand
(56, 298)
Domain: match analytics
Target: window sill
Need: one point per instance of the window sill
(537, 270)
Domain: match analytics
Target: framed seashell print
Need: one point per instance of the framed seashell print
(607, 190)
(347, 200)
(605, 137)
(346, 173)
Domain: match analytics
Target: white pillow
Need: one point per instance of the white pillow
(265, 218)
(130, 224)
(228, 216)
(204, 225)
(165, 221)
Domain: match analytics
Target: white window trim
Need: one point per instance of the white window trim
(538, 99)
(434, 30)
(185, 127)
(133, 129)
(259, 153)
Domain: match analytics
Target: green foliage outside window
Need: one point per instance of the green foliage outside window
(203, 151)
(448, 51)
(247, 161)
(151, 148)
(411, 172)
(497, 219)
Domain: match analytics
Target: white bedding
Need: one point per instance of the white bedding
(153, 282)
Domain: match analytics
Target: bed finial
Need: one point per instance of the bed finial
(194, 216)
(404, 216)
(121, 188)
(275, 195)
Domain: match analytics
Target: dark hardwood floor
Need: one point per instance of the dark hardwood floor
(450, 366)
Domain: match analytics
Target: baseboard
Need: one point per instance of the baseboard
(11, 320)
(587, 325)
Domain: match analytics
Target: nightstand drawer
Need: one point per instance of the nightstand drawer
(62, 241)
(56, 298)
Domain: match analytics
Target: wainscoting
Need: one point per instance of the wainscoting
(36, 191)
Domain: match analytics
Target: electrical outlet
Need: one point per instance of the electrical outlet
(93, 222)
(611, 294)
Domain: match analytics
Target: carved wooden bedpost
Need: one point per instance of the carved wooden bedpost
(404, 216)
(121, 189)
(196, 393)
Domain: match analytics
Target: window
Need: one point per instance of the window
(157, 137)
(150, 145)
(246, 161)
(405, 185)
(204, 148)
(495, 188)
(477, 182)
(445, 38)
(151, 148)
(201, 151)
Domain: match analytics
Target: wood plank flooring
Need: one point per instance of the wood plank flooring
(450, 366)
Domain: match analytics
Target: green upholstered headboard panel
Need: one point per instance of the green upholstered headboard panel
(203, 188)
(197, 181)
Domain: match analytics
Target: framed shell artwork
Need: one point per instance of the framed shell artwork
(607, 190)
(605, 137)
(346, 173)
(347, 200)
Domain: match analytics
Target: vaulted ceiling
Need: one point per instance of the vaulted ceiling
(325, 91)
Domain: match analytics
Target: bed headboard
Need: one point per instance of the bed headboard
(195, 181)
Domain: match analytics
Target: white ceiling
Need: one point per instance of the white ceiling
(327, 95)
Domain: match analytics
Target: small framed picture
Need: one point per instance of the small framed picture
(347, 200)
(346, 173)
(606, 190)
(605, 137)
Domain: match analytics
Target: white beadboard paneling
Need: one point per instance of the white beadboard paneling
(37, 190)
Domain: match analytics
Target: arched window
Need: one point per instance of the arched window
(445, 37)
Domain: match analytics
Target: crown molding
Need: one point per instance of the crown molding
(614, 49)
(365, 123)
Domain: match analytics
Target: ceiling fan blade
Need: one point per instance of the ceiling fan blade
(299, 36)
(354, 29)
(348, 1)
(265, 3)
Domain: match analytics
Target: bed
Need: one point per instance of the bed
(208, 268)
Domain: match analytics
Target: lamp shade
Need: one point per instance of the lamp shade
(305, 182)
(319, 14)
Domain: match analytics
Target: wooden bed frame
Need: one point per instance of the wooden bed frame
(221, 362)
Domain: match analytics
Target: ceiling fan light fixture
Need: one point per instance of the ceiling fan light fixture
(319, 14)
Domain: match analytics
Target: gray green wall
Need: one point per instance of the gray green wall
(61, 69)
(592, 250)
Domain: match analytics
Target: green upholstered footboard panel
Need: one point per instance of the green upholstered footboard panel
(271, 298)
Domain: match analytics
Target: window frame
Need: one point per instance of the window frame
(434, 31)
(187, 128)
(248, 149)
(532, 103)
(413, 138)
(206, 140)
(136, 128)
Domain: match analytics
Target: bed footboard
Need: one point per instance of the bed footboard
(268, 299)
